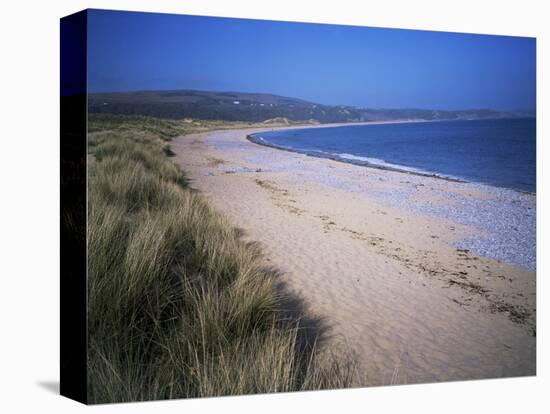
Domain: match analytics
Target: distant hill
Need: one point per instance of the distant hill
(258, 107)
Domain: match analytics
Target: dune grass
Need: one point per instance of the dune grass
(178, 305)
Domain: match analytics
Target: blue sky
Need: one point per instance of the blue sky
(329, 64)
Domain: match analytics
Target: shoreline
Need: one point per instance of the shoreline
(509, 195)
(362, 164)
(377, 254)
(254, 140)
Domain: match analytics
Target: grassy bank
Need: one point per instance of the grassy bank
(179, 306)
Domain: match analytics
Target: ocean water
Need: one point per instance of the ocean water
(498, 152)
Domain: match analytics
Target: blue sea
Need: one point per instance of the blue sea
(498, 152)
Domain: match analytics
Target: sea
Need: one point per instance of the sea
(497, 152)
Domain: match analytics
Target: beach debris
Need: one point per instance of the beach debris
(236, 169)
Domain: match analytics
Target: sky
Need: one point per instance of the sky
(327, 64)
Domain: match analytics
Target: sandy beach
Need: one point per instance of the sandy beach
(398, 265)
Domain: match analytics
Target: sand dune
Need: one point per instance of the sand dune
(387, 279)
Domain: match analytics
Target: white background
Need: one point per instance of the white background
(29, 204)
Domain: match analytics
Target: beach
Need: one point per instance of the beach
(419, 278)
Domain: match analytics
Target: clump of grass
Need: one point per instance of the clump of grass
(178, 305)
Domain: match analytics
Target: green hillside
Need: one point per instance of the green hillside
(257, 107)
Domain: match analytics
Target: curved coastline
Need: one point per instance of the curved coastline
(502, 208)
(335, 157)
(254, 138)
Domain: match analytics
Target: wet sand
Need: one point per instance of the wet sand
(371, 253)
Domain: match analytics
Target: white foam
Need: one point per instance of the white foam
(375, 162)
(379, 162)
